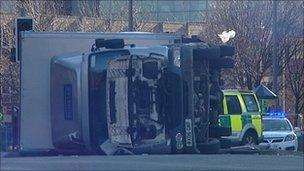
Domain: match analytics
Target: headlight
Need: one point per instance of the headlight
(179, 137)
(290, 137)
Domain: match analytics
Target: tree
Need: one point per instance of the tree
(9, 72)
(49, 15)
(252, 22)
(253, 42)
(295, 80)
(46, 16)
(102, 16)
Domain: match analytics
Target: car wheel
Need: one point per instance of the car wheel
(250, 138)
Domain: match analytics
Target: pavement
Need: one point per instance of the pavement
(157, 162)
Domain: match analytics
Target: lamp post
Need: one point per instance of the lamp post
(275, 49)
(131, 15)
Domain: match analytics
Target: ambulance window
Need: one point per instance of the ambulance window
(250, 103)
(233, 105)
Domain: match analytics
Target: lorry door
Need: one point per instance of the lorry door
(232, 114)
(252, 112)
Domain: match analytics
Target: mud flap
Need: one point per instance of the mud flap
(108, 147)
(155, 148)
(225, 143)
(210, 147)
(218, 131)
(70, 142)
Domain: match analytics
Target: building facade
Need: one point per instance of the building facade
(148, 10)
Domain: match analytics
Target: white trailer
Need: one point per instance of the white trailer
(36, 50)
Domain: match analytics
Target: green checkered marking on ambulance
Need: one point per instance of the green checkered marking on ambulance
(246, 119)
(225, 120)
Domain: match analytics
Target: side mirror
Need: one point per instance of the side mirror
(297, 129)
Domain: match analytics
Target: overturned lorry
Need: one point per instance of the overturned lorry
(132, 93)
(154, 99)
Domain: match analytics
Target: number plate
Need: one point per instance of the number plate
(188, 129)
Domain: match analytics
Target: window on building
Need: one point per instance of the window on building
(166, 16)
(145, 10)
(198, 5)
(7, 6)
(182, 5)
(165, 6)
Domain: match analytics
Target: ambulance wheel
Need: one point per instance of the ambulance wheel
(250, 138)
(211, 147)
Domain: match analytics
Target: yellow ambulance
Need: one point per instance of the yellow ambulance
(241, 112)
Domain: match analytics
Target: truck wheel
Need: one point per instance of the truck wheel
(250, 138)
(210, 53)
(225, 62)
(211, 147)
(227, 50)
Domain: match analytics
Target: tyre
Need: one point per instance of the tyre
(114, 43)
(225, 62)
(227, 50)
(210, 53)
(250, 138)
(211, 147)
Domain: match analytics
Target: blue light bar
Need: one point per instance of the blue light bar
(275, 114)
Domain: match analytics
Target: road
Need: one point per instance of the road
(156, 162)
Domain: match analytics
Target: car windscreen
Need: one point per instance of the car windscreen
(276, 125)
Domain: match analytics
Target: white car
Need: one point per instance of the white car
(279, 134)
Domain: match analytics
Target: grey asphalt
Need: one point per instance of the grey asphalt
(157, 162)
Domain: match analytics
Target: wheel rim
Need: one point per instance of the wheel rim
(249, 140)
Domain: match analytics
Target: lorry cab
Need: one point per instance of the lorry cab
(90, 99)
(150, 99)
(242, 113)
